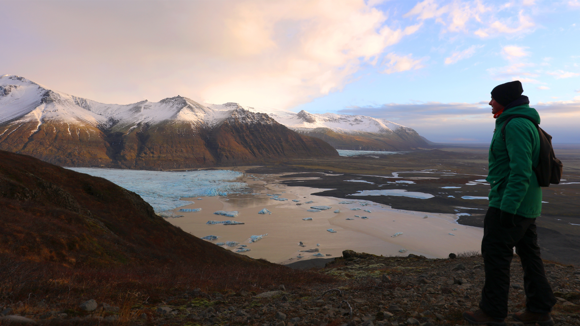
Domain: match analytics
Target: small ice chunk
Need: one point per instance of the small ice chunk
(349, 219)
(295, 200)
(190, 210)
(337, 211)
(231, 243)
(397, 234)
(321, 208)
(210, 237)
(313, 210)
(318, 255)
(355, 209)
(318, 244)
(454, 230)
(227, 213)
(255, 238)
(309, 202)
(331, 230)
(367, 210)
(402, 250)
(243, 250)
(307, 219)
(346, 202)
(364, 217)
(356, 216)
(451, 234)
(264, 211)
(220, 244)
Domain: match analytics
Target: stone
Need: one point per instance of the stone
(17, 320)
(452, 256)
(459, 267)
(270, 294)
(110, 308)
(90, 305)
(412, 321)
(280, 316)
(348, 254)
(295, 320)
(163, 310)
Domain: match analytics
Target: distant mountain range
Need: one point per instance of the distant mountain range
(355, 132)
(176, 132)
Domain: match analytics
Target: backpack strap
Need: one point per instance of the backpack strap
(513, 117)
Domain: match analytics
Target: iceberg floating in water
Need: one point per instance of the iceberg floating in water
(307, 219)
(220, 244)
(228, 222)
(355, 209)
(451, 234)
(226, 213)
(231, 243)
(368, 210)
(210, 237)
(321, 208)
(243, 250)
(309, 202)
(346, 202)
(402, 250)
(364, 217)
(313, 210)
(318, 255)
(255, 238)
(349, 219)
(264, 211)
(397, 234)
(331, 230)
(337, 211)
(190, 210)
(295, 200)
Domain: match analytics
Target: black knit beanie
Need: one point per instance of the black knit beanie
(506, 93)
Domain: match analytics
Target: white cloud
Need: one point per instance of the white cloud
(559, 74)
(512, 52)
(529, 2)
(515, 71)
(457, 56)
(401, 63)
(454, 16)
(574, 3)
(543, 87)
(257, 52)
(525, 24)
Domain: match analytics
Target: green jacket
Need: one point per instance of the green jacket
(514, 186)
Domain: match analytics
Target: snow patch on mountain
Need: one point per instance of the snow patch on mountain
(338, 122)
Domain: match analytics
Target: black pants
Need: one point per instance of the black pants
(497, 250)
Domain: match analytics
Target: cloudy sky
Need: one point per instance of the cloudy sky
(428, 64)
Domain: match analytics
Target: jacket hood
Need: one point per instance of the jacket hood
(519, 106)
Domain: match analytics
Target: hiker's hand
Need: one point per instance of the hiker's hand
(506, 219)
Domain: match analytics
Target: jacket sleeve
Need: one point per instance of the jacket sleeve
(519, 137)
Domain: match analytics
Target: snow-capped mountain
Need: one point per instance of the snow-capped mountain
(352, 131)
(175, 132)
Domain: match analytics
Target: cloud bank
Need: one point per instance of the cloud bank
(257, 52)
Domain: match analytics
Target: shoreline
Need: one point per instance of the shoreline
(434, 237)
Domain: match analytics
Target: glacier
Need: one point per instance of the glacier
(164, 190)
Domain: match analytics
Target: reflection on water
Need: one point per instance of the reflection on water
(393, 192)
(243, 201)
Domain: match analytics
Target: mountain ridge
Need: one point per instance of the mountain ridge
(73, 131)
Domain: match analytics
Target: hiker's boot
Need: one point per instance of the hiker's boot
(479, 317)
(531, 318)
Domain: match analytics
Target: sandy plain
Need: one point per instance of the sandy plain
(430, 234)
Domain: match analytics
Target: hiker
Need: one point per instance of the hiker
(515, 201)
